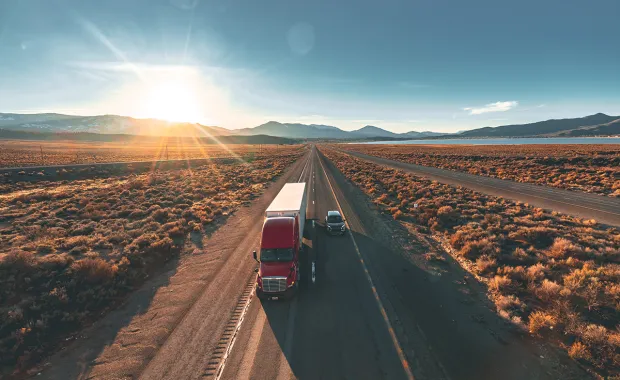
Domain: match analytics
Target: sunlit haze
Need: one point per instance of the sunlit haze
(403, 66)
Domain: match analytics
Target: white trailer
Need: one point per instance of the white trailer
(291, 202)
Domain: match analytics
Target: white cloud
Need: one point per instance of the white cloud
(492, 107)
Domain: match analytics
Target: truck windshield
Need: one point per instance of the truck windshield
(276, 254)
(334, 219)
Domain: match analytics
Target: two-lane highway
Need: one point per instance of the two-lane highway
(373, 314)
(333, 329)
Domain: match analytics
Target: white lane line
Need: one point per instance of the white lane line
(305, 167)
(399, 350)
(313, 272)
(251, 349)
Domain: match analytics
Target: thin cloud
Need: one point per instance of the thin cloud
(411, 85)
(492, 107)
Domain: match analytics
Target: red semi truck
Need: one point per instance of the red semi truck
(281, 243)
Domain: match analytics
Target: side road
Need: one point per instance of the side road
(604, 209)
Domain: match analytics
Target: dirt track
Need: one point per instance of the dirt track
(604, 209)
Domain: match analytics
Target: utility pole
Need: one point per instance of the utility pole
(42, 160)
(167, 152)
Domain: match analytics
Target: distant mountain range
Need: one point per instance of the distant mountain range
(316, 131)
(104, 124)
(126, 138)
(593, 125)
(554, 127)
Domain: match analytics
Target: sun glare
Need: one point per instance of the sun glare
(175, 101)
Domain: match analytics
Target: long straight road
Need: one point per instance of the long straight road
(333, 329)
(372, 313)
(602, 208)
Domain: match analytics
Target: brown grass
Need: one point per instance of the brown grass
(68, 250)
(556, 275)
(15, 153)
(589, 168)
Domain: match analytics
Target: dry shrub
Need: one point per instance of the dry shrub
(579, 351)
(541, 322)
(539, 237)
(485, 264)
(535, 273)
(446, 215)
(500, 284)
(560, 248)
(548, 290)
(76, 241)
(45, 248)
(520, 254)
(594, 334)
(509, 303)
(579, 278)
(18, 259)
(176, 232)
(458, 239)
(397, 214)
(472, 249)
(94, 270)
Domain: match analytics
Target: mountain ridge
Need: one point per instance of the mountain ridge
(592, 125)
(540, 128)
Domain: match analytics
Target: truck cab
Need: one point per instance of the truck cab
(278, 272)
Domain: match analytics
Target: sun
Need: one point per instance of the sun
(172, 100)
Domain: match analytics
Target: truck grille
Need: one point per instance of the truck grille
(274, 284)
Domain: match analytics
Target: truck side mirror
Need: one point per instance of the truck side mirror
(254, 254)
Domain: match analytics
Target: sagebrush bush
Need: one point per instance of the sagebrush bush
(541, 322)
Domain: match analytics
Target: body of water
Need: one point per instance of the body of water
(515, 141)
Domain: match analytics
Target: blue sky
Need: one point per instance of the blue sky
(402, 65)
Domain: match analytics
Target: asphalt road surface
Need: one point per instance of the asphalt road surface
(334, 328)
(370, 314)
(602, 208)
